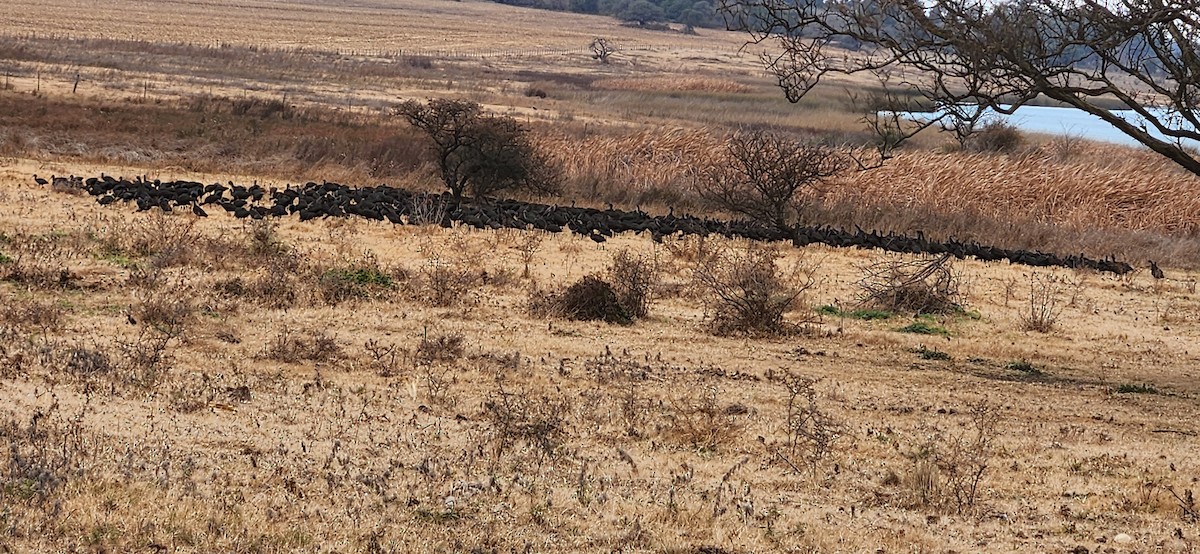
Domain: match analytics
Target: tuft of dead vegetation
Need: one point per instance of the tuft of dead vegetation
(290, 347)
(589, 299)
(1046, 297)
(745, 293)
(917, 286)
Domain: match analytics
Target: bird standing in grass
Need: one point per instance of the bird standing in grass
(196, 209)
(1155, 271)
(40, 181)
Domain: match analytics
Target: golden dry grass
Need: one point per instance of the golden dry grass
(279, 420)
(662, 438)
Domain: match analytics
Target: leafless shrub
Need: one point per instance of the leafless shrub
(948, 470)
(82, 361)
(442, 348)
(1045, 302)
(745, 294)
(446, 281)
(920, 286)
(41, 457)
(290, 347)
(624, 377)
(168, 310)
(589, 299)
(528, 247)
(701, 421)
(995, 136)
(634, 278)
(164, 240)
(41, 261)
(44, 317)
(144, 360)
(385, 358)
(811, 432)
(522, 417)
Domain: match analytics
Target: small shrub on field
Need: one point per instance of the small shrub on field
(362, 279)
(42, 261)
(290, 347)
(447, 281)
(385, 358)
(1046, 296)
(923, 287)
(144, 360)
(811, 432)
(589, 299)
(995, 136)
(41, 457)
(45, 317)
(82, 361)
(948, 471)
(443, 348)
(168, 310)
(522, 417)
(745, 293)
(634, 278)
(701, 421)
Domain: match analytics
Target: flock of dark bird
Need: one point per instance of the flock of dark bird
(385, 203)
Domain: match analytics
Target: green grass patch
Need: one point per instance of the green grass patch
(1024, 366)
(117, 258)
(931, 354)
(865, 315)
(5, 259)
(1136, 388)
(924, 328)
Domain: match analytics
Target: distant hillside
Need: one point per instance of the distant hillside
(691, 13)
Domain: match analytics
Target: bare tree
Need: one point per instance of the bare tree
(601, 49)
(764, 174)
(478, 152)
(1114, 60)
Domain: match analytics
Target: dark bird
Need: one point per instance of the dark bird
(40, 181)
(1155, 271)
(130, 320)
(196, 209)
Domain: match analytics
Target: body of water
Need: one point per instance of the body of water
(1067, 121)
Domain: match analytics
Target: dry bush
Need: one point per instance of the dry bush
(589, 299)
(441, 348)
(919, 286)
(31, 314)
(519, 417)
(1046, 292)
(811, 432)
(995, 136)
(385, 358)
(40, 458)
(167, 240)
(745, 293)
(701, 421)
(144, 360)
(948, 470)
(447, 280)
(169, 310)
(42, 261)
(634, 278)
(87, 362)
(291, 347)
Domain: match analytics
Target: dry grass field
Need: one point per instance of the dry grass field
(170, 383)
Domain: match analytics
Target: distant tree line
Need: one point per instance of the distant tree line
(690, 13)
